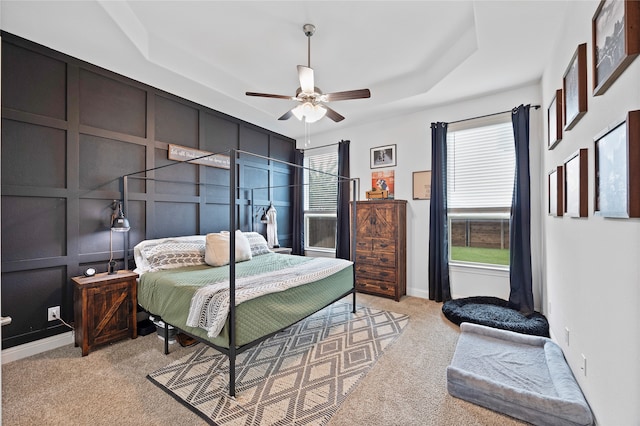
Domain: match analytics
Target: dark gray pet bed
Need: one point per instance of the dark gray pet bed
(523, 376)
(494, 312)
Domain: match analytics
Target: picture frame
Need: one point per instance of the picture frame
(615, 30)
(554, 120)
(384, 180)
(422, 185)
(576, 175)
(383, 156)
(574, 88)
(555, 190)
(617, 169)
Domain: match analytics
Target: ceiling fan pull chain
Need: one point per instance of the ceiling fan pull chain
(307, 134)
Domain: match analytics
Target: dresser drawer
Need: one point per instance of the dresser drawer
(375, 272)
(376, 287)
(375, 244)
(383, 244)
(379, 258)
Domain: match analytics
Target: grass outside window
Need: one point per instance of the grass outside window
(480, 255)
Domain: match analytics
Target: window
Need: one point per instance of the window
(320, 199)
(480, 176)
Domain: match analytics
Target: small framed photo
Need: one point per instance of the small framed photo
(422, 185)
(384, 181)
(574, 88)
(554, 120)
(617, 173)
(615, 30)
(575, 184)
(383, 156)
(556, 180)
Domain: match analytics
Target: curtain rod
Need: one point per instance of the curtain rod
(488, 115)
(323, 146)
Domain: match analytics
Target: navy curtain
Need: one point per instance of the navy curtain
(439, 287)
(520, 277)
(297, 213)
(343, 237)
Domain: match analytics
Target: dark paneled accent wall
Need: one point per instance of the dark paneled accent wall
(70, 131)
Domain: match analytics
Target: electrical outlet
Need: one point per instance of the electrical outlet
(53, 313)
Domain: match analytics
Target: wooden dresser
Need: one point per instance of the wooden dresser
(381, 247)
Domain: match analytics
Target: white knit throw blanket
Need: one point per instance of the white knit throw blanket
(210, 304)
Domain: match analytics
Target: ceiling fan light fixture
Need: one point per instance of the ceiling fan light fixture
(309, 112)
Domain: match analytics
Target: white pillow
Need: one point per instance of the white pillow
(216, 251)
(257, 242)
(146, 249)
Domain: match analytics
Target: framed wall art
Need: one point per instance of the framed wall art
(384, 180)
(574, 88)
(383, 156)
(554, 120)
(556, 180)
(617, 172)
(422, 185)
(615, 30)
(575, 184)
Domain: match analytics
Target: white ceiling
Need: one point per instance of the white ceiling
(412, 55)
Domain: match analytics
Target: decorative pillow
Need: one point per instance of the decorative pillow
(146, 248)
(174, 254)
(217, 248)
(258, 243)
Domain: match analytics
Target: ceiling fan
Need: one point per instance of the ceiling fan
(311, 101)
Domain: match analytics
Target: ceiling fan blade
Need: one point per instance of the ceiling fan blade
(269, 95)
(287, 115)
(333, 115)
(349, 94)
(305, 74)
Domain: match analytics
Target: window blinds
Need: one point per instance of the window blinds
(480, 166)
(321, 189)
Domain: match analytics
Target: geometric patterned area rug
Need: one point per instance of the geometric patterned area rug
(299, 376)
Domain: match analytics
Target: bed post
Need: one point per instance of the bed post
(353, 241)
(232, 272)
(125, 196)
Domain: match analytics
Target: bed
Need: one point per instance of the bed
(178, 273)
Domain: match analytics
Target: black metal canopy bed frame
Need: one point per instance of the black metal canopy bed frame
(232, 347)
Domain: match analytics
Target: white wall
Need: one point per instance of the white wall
(412, 135)
(586, 271)
(593, 272)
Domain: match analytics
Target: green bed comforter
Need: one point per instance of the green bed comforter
(168, 294)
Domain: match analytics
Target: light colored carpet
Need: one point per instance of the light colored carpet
(407, 386)
(299, 376)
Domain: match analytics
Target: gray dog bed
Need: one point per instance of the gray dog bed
(523, 376)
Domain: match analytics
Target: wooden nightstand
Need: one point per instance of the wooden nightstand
(105, 308)
(282, 250)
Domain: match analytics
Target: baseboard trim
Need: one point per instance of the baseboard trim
(33, 348)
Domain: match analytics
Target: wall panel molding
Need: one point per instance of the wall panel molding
(70, 131)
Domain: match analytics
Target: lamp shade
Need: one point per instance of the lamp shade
(119, 222)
